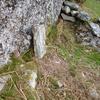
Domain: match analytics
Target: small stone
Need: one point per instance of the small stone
(22, 65)
(32, 80)
(59, 84)
(99, 19)
(67, 18)
(39, 40)
(66, 9)
(83, 16)
(74, 13)
(72, 5)
(95, 28)
(3, 81)
(1, 49)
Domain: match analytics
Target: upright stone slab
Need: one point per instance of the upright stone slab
(39, 38)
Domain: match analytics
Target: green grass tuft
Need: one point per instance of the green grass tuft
(93, 6)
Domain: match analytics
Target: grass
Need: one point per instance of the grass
(52, 30)
(12, 89)
(93, 6)
(62, 37)
(75, 54)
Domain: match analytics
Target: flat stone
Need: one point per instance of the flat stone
(72, 5)
(83, 16)
(67, 18)
(95, 28)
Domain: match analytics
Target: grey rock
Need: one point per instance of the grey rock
(31, 76)
(39, 40)
(16, 20)
(99, 19)
(83, 16)
(87, 38)
(33, 80)
(67, 18)
(94, 94)
(74, 13)
(72, 5)
(3, 81)
(59, 84)
(66, 9)
(95, 28)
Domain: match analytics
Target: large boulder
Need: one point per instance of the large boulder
(16, 20)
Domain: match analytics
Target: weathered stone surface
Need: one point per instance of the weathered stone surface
(95, 28)
(74, 13)
(85, 36)
(66, 9)
(32, 79)
(72, 5)
(3, 81)
(17, 18)
(84, 16)
(94, 94)
(39, 40)
(67, 18)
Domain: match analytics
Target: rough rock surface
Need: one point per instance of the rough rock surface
(17, 18)
(67, 18)
(72, 5)
(85, 36)
(84, 16)
(3, 81)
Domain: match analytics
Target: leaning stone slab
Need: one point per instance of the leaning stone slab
(39, 38)
(67, 18)
(72, 5)
(3, 81)
(95, 28)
